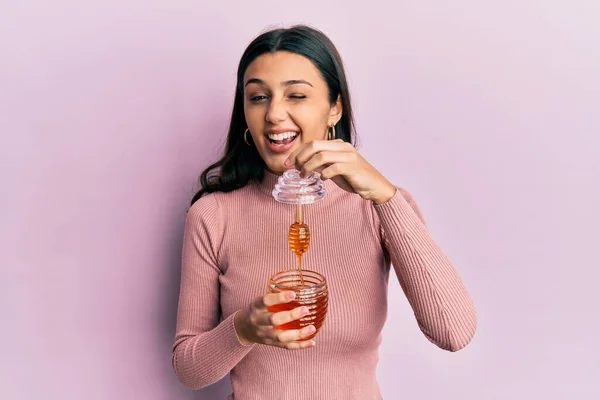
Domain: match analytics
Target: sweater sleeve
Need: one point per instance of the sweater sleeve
(205, 349)
(433, 287)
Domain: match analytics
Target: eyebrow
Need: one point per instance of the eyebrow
(285, 83)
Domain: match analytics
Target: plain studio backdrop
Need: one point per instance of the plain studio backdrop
(487, 111)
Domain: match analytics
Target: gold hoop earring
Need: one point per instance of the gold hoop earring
(331, 133)
(246, 137)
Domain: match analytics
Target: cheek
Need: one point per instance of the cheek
(312, 128)
(253, 111)
(255, 117)
(312, 123)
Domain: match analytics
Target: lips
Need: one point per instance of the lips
(282, 141)
(282, 137)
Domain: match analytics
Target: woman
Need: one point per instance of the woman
(292, 110)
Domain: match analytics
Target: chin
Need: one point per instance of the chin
(274, 161)
(277, 168)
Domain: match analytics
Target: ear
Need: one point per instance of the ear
(335, 113)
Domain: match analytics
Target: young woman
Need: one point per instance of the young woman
(292, 110)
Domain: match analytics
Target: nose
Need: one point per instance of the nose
(276, 111)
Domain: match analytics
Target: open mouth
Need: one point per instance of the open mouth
(281, 139)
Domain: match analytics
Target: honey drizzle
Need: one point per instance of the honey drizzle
(299, 239)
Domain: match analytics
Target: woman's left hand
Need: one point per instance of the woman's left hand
(339, 161)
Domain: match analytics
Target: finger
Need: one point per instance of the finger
(301, 155)
(317, 146)
(279, 318)
(336, 173)
(272, 299)
(273, 342)
(333, 170)
(295, 334)
(321, 160)
(283, 317)
(305, 344)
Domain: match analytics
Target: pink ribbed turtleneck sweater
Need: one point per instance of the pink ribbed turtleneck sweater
(233, 243)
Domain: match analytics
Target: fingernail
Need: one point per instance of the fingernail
(310, 329)
(291, 295)
(313, 343)
(287, 162)
(304, 310)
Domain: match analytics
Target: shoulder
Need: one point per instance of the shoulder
(205, 207)
(203, 224)
(220, 204)
(205, 215)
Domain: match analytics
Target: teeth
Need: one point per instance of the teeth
(282, 136)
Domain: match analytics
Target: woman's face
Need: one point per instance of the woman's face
(286, 104)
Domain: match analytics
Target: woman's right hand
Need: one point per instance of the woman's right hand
(257, 325)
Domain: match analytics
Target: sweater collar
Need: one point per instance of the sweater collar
(268, 182)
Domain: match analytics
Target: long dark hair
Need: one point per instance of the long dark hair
(241, 163)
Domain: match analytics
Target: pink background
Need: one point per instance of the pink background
(488, 112)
